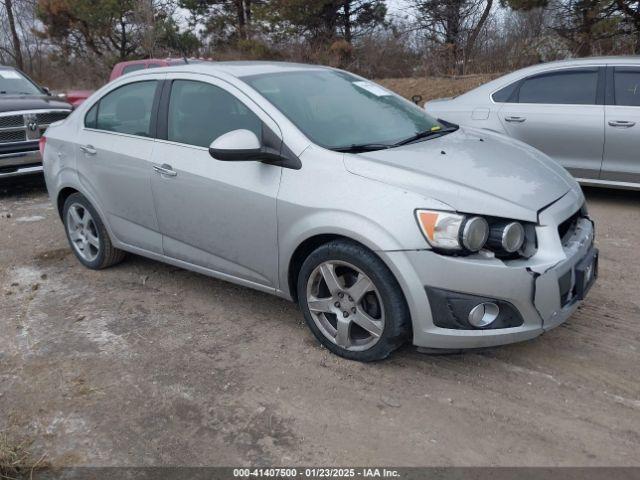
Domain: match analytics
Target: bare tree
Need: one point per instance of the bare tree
(15, 38)
(453, 26)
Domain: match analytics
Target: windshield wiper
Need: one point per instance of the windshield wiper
(426, 134)
(365, 147)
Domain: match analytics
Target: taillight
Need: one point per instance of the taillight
(41, 143)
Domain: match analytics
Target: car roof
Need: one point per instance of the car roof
(591, 60)
(509, 78)
(241, 68)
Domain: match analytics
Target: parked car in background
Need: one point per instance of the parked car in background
(76, 97)
(583, 113)
(26, 110)
(319, 186)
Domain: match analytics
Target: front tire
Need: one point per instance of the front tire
(352, 302)
(87, 235)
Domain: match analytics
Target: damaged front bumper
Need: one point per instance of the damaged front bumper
(544, 289)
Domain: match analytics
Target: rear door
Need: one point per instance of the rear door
(114, 148)
(561, 113)
(622, 126)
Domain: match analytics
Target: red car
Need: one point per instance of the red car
(76, 97)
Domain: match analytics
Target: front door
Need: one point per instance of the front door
(561, 113)
(622, 127)
(214, 214)
(114, 148)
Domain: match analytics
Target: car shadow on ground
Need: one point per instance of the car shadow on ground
(609, 195)
(22, 186)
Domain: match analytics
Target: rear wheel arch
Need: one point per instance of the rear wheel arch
(62, 198)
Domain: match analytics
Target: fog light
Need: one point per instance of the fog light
(483, 314)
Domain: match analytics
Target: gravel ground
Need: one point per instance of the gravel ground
(147, 364)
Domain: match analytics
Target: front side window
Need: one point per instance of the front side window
(200, 112)
(337, 110)
(627, 86)
(578, 87)
(12, 82)
(125, 110)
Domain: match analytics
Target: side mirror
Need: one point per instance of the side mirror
(237, 145)
(46, 90)
(244, 145)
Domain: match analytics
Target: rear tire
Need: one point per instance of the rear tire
(87, 235)
(352, 302)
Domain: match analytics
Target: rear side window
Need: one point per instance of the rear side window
(124, 110)
(577, 87)
(627, 86)
(200, 112)
(133, 68)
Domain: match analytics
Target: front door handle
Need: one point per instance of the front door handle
(166, 170)
(515, 119)
(88, 149)
(621, 123)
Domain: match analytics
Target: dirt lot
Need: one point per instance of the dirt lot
(146, 364)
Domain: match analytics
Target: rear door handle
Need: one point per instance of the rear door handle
(165, 169)
(621, 123)
(515, 119)
(88, 149)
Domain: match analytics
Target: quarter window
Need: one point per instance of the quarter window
(124, 110)
(578, 87)
(504, 95)
(627, 87)
(200, 112)
(91, 118)
(132, 68)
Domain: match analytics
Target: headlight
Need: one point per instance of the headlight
(475, 232)
(465, 233)
(451, 231)
(506, 236)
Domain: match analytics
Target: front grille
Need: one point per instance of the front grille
(12, 121)
(50, 117)
(26, 126)
(566, 228)
(12, 136)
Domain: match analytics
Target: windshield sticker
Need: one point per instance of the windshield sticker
(373, 88)
(9, 74)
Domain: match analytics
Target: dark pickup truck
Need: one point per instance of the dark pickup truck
(26, 110)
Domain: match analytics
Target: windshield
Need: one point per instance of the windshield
(13, 82)
(337, 110)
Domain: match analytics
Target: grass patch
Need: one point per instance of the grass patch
(16, 461)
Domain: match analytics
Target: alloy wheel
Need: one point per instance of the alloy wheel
(345, 305)
(83, 232)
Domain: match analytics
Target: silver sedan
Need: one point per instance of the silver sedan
(585, 114)
(324, 188)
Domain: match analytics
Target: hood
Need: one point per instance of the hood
(11, 103)
(472, 171)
